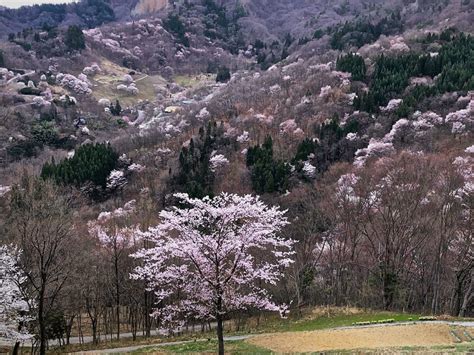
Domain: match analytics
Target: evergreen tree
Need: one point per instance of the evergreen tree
(75, 38)
(174, 24)
(195, 176)
(91, 163)
(454, 66)
(223, 75)
(116, 109)
(354, 64)
(267, 174)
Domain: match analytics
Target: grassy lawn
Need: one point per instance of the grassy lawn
(204, 347)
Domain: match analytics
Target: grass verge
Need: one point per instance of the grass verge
(204, 347)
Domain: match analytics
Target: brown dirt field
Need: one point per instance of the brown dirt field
(365, 338)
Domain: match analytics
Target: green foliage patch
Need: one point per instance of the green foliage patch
(354, 64)
(91, 163)
(75, 38)
(267, 174)
(454, 66)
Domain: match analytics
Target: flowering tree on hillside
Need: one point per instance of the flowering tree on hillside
(13, 307)
(213, 258)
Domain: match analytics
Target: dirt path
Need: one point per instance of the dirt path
(357, 338)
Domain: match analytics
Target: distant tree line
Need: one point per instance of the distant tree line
(91, 13)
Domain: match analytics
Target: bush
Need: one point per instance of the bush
(116, 109)
(24, 149)
(223, 75)
(30, 91)
(381, 321)
(318, 34)
(45, 133)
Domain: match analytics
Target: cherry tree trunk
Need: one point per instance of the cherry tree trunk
(220, 334)
(220, 325)
(16, 348)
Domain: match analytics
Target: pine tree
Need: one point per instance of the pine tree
(75, 38)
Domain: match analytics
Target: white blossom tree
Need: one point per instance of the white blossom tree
(218, 161)
(214, 258)
(13, 307)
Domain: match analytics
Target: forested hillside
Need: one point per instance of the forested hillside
(212, 162)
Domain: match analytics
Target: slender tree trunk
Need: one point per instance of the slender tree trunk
(117, 290)
(69, 326)
(94, 331)
(220, 334)
(146, 314)
(16, 348)
(468, 296)
(220, 326)
(42, 321)
(456, 299)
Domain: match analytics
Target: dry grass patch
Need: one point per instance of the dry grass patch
(105, 84)
(195, 81)
(365, 338)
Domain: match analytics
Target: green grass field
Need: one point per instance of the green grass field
(203, 347)
(331, 321)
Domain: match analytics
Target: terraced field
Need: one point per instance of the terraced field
(424, 335)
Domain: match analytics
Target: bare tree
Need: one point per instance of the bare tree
(40, 222)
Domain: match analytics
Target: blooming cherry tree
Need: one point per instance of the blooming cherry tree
(214, 258)
(13, 307)
(218, 161)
